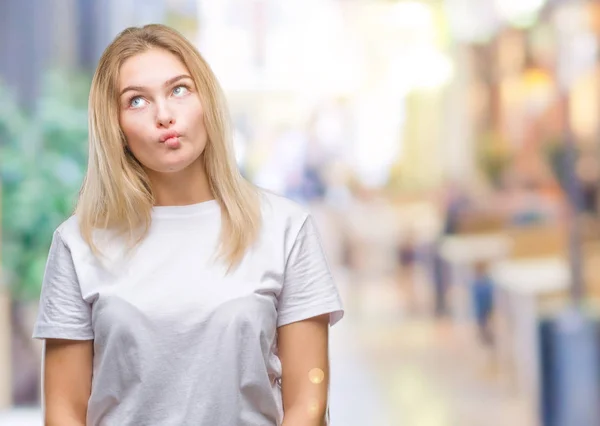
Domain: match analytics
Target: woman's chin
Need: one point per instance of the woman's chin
(175, 164)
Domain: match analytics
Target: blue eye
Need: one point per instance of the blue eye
(136, 102)
(180, 90)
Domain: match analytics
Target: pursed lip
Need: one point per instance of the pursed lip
(168, 135)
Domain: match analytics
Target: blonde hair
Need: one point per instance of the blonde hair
(116, 192)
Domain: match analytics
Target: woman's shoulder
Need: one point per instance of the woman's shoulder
(279, 208)
(68, 229)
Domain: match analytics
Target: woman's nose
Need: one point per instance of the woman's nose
(164, 117)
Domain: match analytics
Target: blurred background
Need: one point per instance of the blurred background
(448, 149)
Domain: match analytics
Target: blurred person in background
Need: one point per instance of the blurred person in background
(482, 293)
(178, 293)
(588, 174)
(454, 203)
(406, 253)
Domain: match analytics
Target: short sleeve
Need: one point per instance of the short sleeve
(308, 288)
(63, 313)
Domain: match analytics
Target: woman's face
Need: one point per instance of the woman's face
(160, 112)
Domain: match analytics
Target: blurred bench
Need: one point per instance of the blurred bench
(480, 222)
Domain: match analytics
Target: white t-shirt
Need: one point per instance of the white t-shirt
(176, 341)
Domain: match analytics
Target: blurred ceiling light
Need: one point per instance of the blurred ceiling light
(520, 13)
(411, 14)
(422, 68)
(471, 20)
(537, 89)
(436, 70)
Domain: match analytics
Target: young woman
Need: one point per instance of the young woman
(178, 293)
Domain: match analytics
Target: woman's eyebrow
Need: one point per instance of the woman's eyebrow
(167, 83)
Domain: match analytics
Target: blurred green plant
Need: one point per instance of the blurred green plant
(493, 156)
(43, 154)
(556, 155)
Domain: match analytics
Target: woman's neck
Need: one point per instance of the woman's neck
(189, 186)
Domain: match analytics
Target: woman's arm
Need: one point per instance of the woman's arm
(67, 381)
(303, 350)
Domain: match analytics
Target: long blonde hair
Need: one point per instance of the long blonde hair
(116, 192)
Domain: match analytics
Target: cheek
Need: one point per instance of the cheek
(134, 129)
(194, 114)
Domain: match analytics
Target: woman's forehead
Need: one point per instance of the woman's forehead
(151, 68)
